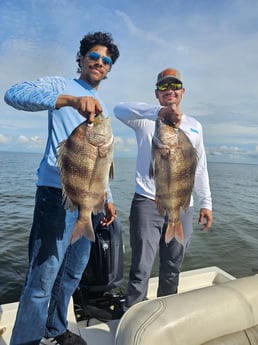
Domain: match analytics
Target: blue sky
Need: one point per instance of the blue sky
(213, 43)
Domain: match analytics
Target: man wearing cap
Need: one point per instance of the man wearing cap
(146, 223)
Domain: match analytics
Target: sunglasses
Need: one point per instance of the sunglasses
(95, 56)
(173, 86)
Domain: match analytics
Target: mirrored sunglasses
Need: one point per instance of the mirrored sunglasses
(173, 86)
(95, 56)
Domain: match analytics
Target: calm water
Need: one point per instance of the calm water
(231, 243)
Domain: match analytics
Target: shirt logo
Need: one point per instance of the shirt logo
(194, 130)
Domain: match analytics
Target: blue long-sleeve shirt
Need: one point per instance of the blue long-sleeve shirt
(40, 95)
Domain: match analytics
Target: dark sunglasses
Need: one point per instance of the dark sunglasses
(95, 56)
(173, 86)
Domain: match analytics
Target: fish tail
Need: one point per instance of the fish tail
(82, 229)
(170, 233)
(179, 233)
(174, 231)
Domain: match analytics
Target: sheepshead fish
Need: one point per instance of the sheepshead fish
(173, 168)
(85, 160)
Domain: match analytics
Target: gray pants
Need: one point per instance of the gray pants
(146, 236)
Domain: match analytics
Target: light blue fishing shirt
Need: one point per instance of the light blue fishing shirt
(41, 95)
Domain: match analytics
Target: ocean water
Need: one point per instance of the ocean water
(231, 243)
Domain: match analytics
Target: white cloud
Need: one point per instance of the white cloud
(233, 153)
(31, 143)
(127, 145)
(214, 44)
(4, 139)
(140, 33)
(131, 142)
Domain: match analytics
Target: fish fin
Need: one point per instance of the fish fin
(68, 204)
(151, 170)
(186, 204)
(104, 149)
(165, 153)
(160, 207)
(174, 231)
(82, 229)
(111, 171)
(179, 233)
(100, 205)
(60, 152)
(170, 233)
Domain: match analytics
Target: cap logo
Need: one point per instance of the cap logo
(169, 72)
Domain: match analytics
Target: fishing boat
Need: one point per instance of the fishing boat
(211, 307)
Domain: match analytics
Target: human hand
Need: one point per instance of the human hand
(110, 214)
(205, 214)
(87, 106)
(171, 114)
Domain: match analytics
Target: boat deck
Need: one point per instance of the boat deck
(104, 333)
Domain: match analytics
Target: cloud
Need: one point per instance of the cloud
(213, 44)
(231, 153)
(4, 139)
(140, 33)
(22, 142)
(126, 146)
(34, 142)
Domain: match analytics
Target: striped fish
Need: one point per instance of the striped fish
(173, 168)
(85, 160)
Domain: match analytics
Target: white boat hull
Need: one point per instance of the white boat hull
(210, 303)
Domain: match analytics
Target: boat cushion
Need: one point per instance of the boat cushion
(195, 317)
(245, 337)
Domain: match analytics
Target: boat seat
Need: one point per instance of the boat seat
(225, 314)
(246, 337)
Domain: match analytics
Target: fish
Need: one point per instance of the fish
(173, 165)
(85, 161)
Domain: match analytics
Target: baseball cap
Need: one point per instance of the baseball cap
(169, 73)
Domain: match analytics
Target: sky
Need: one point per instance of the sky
(214, 44)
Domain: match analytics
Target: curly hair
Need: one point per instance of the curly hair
(97, 38)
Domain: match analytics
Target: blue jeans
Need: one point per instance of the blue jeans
(54, 272)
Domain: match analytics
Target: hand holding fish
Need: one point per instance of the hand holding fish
(171, 114)
(87, 106)
(205, 213)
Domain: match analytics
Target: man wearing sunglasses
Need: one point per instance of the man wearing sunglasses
(146, 223)
(55, 266)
